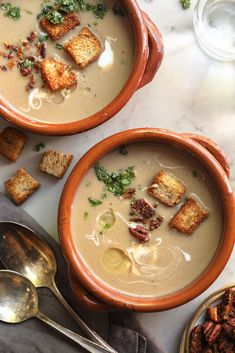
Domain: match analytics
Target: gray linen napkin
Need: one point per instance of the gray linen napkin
(121, 330)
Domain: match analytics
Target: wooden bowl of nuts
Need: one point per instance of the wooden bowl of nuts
(212, 328)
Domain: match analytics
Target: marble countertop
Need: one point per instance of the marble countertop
(192, 93)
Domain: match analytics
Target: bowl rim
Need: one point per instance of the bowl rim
(132, 84)
(104, 291)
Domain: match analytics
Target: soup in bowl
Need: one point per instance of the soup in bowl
(145, 221)
(65, 68)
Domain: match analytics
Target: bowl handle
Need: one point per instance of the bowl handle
(213, 148)
(156, 51)
(85, 297)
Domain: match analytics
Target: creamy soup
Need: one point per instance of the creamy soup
(97, 85)
(101, 223)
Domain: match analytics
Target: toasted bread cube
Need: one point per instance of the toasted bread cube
(21, 186)
(55, 163)
(71, 20)
(189, 217)
(11, 143)
(167, 188)
(57, 75)
(84, 48)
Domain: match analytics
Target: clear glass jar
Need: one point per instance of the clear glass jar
(214, 23)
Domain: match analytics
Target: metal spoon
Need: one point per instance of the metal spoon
(19, 302)
(23, 251)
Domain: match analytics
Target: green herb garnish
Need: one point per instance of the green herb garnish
(94, 202)
(43, 38)
(28, 12)
(123, 150)
(54, 17)
(85, 215)
(185, 4)
(104, 196)
(66, 6)
(45, 10)
(118, 10)
(59, 46)
(116, 183)
(27, 63)
(12, 12)
(39, 146)
(98, 10)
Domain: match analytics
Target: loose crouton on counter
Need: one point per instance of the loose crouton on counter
(11, 143)
(57, 31)
(57, 75)
(21, 186)
(55, 163)
(189, 217)
(167, 188)
(84, 48)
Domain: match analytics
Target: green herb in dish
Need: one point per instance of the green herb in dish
(85, 215)
(12, 12)
(185, 4)
(123, 150)
(27, 63)
(66, 6)
(59, 46)
(55, 17)
(39, 146)
(45, 10)
(43, 38)
(118, 10)
(94, 202)
(116, 183)
(98, 10)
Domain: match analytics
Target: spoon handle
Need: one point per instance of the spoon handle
(91, 334)
(82, 341)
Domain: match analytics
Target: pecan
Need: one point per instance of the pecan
(212, 331)
(32, 36)
(140, 233)
(129, 194)
(43, 50)
(25, 71)
(212, 313)
(3, 68)
(142, 208)
(231, 322)
(138, 219)
(227, 304)
(155, 223)
(229, 330)
(225, 345)
(208, 350)
(196, 340)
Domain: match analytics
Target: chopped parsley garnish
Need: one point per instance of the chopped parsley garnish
(185, 4)
(104, 196)
(12, 12)
(54, 17)
(94, 202)
(85, 215)
(98, 10)
(28, 12)
(43, 38)
(45, 10)
(123, 150)
(27, 63)
(116, 183)
(39, 146)
(118, 10)
(66, 6)
(59, 46)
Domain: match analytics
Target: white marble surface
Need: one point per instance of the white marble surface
(190, 93)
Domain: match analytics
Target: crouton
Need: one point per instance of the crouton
(55, 163)
(167, 188)
(84, 48)
(57, 31)
(57, 75)
(11, 143)
(189, 217)
(21, 186)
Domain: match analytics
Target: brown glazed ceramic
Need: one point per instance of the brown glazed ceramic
(211, 157)
(148, 58)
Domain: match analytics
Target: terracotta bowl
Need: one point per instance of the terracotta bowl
(148, 58)
(211, 157)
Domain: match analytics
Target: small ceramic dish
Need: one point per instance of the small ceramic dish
(105, 297)
(148, 58)
(200, 315)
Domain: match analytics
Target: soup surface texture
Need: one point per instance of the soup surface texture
(170, 260)
(97, 84)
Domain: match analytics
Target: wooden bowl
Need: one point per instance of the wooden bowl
(148, 58)
(211, 157)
